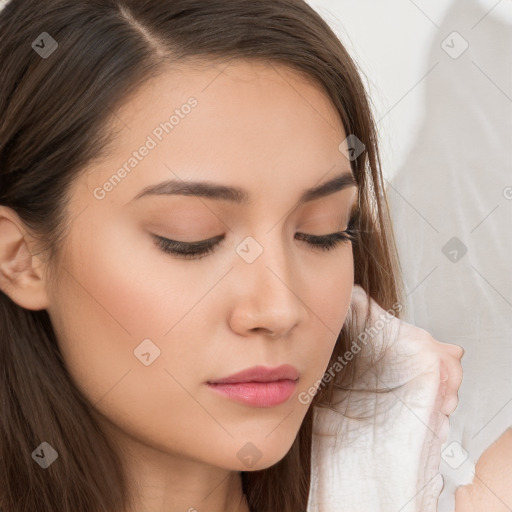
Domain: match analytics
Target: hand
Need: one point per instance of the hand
(431, 374)
(490, 489)
(386, 447)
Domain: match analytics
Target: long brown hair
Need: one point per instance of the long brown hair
(54, 116)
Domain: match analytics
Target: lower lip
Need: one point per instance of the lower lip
(257, 394)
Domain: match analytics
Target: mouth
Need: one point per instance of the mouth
(260, 374)
(257, 394)
(258, 386)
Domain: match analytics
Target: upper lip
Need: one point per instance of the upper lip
(261, 374)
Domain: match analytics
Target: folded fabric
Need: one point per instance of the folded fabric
(380, 451)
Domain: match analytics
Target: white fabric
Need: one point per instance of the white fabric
(387, 462)
(454, 183)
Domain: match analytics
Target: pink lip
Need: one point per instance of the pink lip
(260, 374)
(259, 386)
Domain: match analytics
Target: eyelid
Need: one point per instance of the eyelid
(198, 250)
(213, 240)
(193, 245)
(202, 248)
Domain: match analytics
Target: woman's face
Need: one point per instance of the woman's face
(143, 331)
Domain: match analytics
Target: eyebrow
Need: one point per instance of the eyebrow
(237, 195)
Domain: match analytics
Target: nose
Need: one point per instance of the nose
(269, 293)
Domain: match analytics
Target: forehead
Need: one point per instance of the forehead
(245, 123)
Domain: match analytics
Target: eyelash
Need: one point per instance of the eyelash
(198, 250)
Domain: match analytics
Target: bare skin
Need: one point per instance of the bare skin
(260, 127)
(490, 489)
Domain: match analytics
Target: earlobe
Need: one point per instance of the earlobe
(21, 276)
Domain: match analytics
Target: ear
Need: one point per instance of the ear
(21, 275)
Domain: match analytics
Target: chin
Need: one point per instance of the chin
(256, 456)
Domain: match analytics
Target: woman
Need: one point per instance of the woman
(191, 217)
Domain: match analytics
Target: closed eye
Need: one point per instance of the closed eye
(200, 249)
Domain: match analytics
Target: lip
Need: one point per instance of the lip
(261, 374)
(259, 386)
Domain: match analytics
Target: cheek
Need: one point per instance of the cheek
(110, 298)
(328, 301)
(126, 283)
(330, 286)
(108, 301)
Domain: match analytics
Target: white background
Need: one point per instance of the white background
(390, 41)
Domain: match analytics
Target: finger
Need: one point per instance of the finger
(452, 369)
(452, 349)
(456, 349)
(439, 420)
(450, 404)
